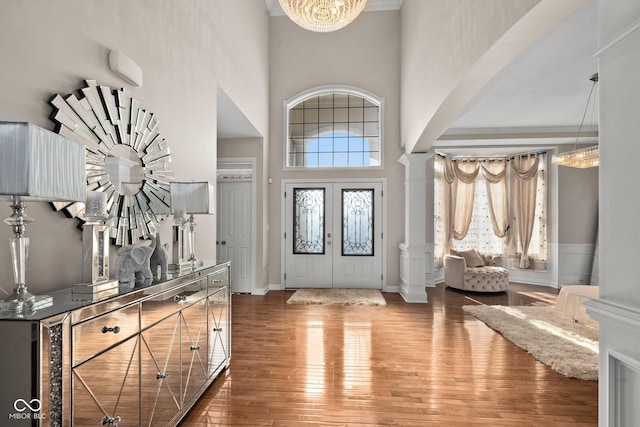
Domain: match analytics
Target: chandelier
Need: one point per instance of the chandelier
(322, 16)
(581, 157)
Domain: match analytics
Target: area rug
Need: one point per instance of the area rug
(338, 297)
(566, 347)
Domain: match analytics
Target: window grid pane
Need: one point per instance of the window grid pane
(345, 125)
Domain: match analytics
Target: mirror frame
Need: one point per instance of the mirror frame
(100, 118)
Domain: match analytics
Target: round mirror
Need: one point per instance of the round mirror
(124, 169)
(127, 159)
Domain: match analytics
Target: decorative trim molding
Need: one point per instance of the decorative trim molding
(616, 40)
(602, 310)
(619, 382)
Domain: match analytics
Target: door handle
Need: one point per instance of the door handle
(224, 242)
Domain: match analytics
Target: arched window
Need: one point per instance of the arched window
(333, 127)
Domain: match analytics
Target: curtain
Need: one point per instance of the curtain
(466, 174)
(494, 173)
(480, 235)
(459, 182)
(525, 173)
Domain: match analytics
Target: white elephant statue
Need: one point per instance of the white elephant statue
(134, 261)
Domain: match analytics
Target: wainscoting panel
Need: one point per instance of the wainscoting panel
(548, 277)
(575, 264)
(413, 267)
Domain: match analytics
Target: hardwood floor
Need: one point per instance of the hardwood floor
(399, 365)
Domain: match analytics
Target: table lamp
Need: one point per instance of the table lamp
(35, 165)
(191, 198)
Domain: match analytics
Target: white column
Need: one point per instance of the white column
(618, 307)
(414, 260)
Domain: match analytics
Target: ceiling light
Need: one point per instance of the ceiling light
(322, 16)
(580, 157)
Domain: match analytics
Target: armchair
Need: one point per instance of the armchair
(471, 271)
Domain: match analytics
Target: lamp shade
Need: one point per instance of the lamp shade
(191, 197)
(40, 165)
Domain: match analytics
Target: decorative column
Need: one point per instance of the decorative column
(414, 260)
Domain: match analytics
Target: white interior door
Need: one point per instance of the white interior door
(234, 232)
(333, 235)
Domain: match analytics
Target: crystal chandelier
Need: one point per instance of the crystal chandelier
(322, 16)
(582, 157)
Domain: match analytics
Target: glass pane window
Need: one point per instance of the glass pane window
(357, 222)
(345, 123)
(308, 221)
(480, 235)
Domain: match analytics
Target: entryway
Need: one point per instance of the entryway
(333, 234)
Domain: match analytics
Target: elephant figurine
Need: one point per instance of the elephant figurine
(159, 258)
(135, 260)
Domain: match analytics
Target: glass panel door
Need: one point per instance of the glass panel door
(316, 215)
(359, 262)
(307, 234)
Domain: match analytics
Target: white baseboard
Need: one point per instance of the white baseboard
(276, 287)
(391, 288)
(260, 292)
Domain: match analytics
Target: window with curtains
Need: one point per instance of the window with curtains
(497, 206)
(333, 127)
(480, 234)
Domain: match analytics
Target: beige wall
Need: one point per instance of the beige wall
(184, 52)
(577, 205)
(366, 54)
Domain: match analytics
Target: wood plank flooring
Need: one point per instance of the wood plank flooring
(399, 365)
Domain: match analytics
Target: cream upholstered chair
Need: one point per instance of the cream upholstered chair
(471, 271)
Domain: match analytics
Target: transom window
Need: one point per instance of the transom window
(333, 128)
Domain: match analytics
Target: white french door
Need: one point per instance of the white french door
(333, 235)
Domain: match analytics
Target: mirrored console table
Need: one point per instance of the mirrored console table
(139, 357)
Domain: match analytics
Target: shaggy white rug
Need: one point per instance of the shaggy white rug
(338, 297)
(566, 347)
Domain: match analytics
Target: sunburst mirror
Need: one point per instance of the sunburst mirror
(127, 158)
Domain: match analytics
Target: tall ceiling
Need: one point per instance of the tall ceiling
(543, 91)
